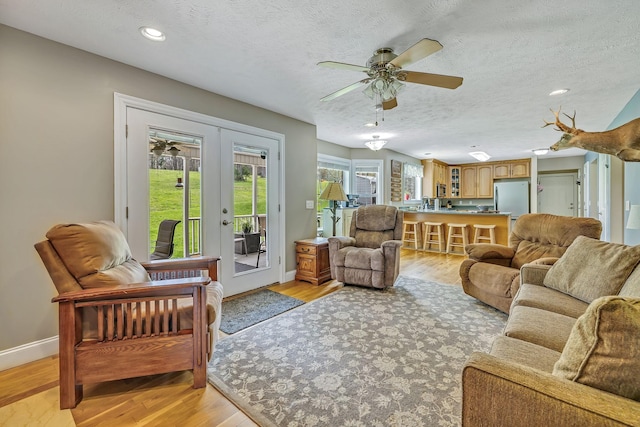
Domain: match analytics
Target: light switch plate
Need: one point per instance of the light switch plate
(309, 204)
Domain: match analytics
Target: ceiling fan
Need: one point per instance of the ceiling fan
(385, 73)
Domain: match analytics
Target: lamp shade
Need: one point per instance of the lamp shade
(333, 191)
(634, 217)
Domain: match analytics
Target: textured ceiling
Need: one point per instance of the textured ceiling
(510, 54)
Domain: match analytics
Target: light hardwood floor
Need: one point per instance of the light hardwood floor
(28, 393)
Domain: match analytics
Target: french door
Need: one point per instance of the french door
(194, 172)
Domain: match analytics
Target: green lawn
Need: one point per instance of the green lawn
(165, 202)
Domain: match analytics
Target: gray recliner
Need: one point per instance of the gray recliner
(370, 256)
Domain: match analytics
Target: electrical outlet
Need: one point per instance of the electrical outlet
(309, 204)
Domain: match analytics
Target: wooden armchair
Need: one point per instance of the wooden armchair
(114, 322)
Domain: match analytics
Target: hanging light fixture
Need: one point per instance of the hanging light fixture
(375, 144)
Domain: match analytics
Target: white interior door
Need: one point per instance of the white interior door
(249, 161)
(559, 195)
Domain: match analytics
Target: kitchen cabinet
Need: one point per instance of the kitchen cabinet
(476, 181)
(454, 182)
(468, 182)
(513, 169)
(484, 179)
(435, 173)
(312, 260)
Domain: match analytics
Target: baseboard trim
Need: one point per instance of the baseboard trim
(290, 275)
(29, 352)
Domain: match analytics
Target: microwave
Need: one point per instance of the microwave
(441, 190)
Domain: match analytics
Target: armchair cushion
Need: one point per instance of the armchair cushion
(96, 254)
(603, 350)
(592, 268)
(361, 258)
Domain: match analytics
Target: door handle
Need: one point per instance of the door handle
(225, 222)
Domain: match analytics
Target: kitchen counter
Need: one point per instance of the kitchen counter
(502, 221)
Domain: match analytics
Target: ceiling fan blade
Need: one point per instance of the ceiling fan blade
(344, 90)
(343, 66)
(448, 82)
(418, 51)
(388, 105)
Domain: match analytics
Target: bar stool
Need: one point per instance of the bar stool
(455, 234)
(433, 232)
(478, 237)
(410, 233)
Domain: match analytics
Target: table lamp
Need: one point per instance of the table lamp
(334, 193)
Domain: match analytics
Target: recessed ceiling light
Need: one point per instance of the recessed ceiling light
(558, 92)
(152, 34)
(480, 155)
(370, 125)
(540, 151)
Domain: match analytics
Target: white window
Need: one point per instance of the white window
(412, 182)
(331, 169)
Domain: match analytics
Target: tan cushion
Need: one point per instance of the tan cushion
(376, 217)
(631, 287)
(96, 254)
(603, 350)
(592, 268)
(541, 327)
(524, 353)
(549, 299)
(88, 248)
(360, 258)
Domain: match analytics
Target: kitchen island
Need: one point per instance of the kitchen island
(502, 221)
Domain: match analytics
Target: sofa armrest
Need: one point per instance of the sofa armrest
(498, 392)
(533, 273)
(490, 252)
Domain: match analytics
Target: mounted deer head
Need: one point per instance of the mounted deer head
(622, 142)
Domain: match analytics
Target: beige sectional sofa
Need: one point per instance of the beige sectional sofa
(570, 352)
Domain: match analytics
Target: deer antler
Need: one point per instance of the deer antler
(561, 126)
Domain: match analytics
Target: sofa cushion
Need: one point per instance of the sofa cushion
(360, 258)
(549, 299)
(631, 287)
(592, 268)
(524, 353)
(603, 350)
(541, 327)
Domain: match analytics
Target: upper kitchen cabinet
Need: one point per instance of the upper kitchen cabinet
(435, 174)
(476, 181)
(512, 169)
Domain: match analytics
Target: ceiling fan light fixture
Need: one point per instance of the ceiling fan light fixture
(375, 144)
(540, 151)
(152, 34)
(481, 156)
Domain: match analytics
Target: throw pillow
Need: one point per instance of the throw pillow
(603, 349)
(591, 268)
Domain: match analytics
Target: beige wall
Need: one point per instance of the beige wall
(56, 133)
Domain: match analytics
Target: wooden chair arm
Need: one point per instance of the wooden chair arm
(136, 290)
(208, 263)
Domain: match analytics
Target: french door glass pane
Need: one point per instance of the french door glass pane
(174, 193)
(250, 207)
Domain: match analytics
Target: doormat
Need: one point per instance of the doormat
(240, 267)
(242, 312)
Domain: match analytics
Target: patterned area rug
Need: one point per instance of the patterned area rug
(358, 357)
(242, 312)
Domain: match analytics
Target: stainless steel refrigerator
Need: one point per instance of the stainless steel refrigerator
(511, 196)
